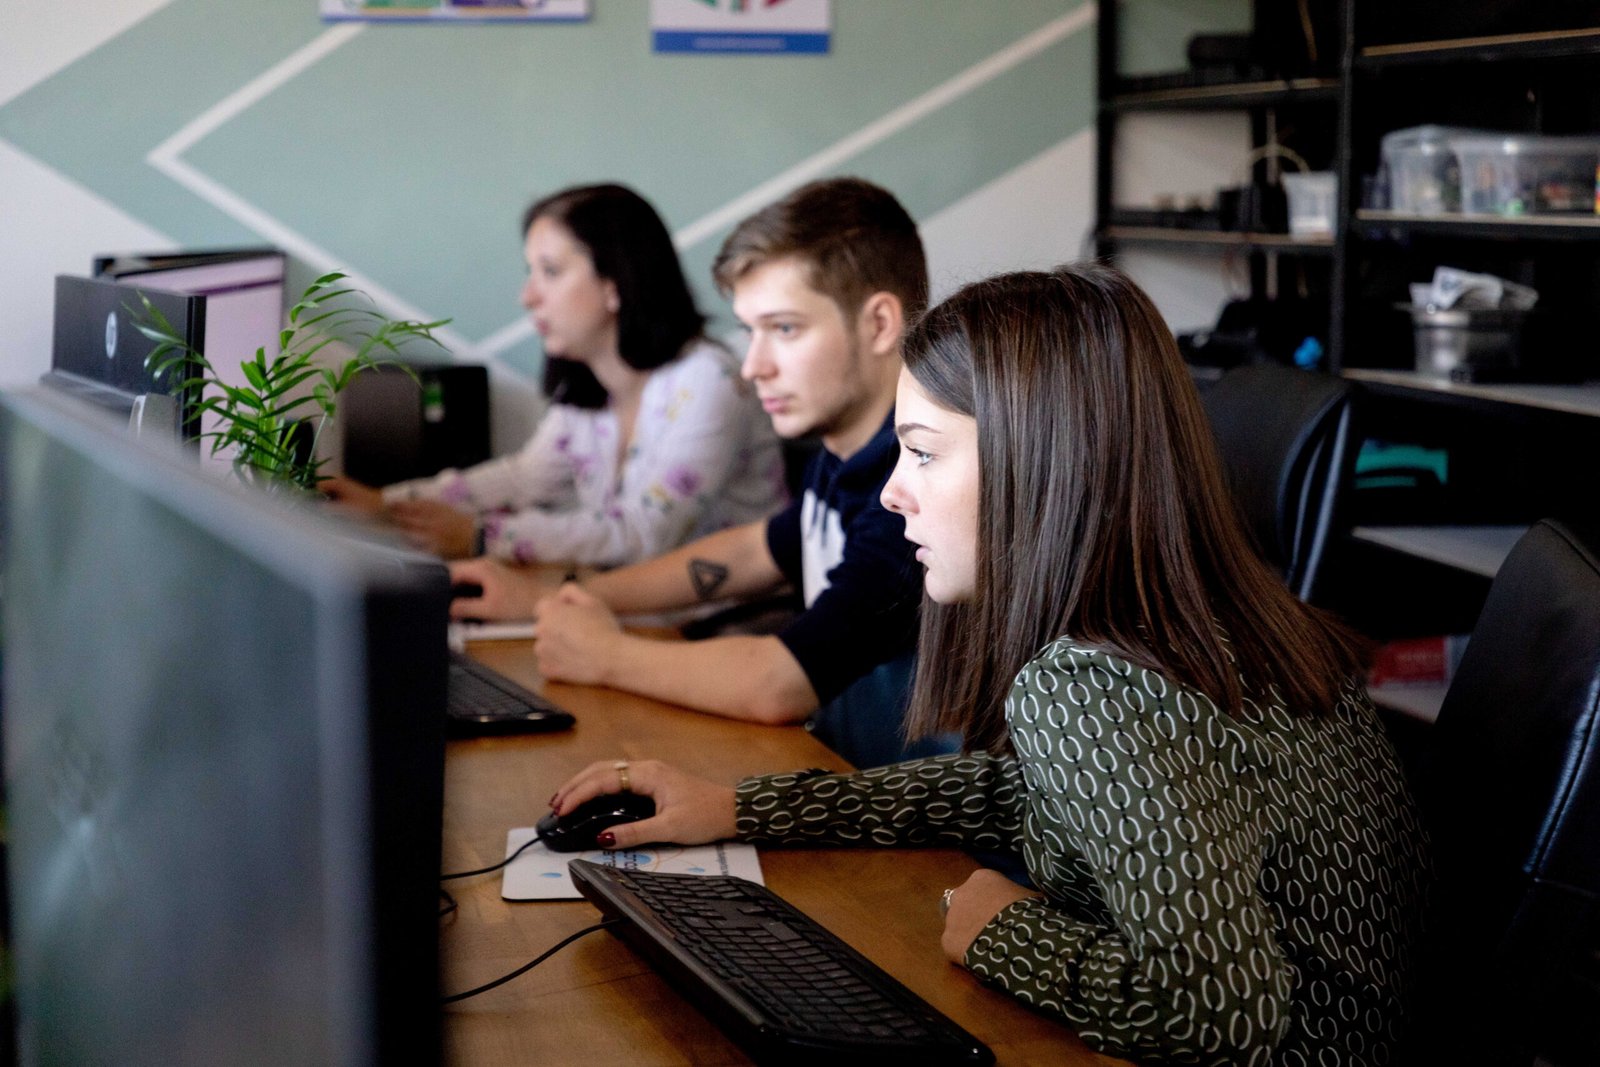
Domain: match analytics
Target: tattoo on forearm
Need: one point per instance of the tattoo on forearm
(707, 577)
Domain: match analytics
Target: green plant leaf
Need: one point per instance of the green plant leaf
(256, 420)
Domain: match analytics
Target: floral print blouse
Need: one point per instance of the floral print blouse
(703, 457)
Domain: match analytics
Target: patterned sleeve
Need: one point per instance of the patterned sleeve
(695, 433)
(539, 474)
(1175, 956)
(968, 801)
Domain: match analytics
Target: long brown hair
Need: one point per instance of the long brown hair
(1103, 511)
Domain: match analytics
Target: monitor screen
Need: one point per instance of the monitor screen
(223, 760)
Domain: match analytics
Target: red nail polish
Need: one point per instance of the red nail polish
(606, 839)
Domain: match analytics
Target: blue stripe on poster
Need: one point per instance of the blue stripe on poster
(740, 43)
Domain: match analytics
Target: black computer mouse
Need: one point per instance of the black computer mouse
(577, 829)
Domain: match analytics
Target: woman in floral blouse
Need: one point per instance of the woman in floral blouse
(1226, 866)
(651, 439)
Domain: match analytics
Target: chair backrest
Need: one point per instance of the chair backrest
(1284, 435)
(1511, 786)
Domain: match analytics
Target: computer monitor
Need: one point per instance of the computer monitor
(398, 427)
(223, 755)
(98, 355)
(243, 287)
(244, 294)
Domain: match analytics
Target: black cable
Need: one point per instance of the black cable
(449, 903)
(486, 870)
(531, 964)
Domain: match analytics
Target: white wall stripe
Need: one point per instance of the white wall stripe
(41, 38)
(508, 336)
(873, 133)
(165, 158)
(883, 128)
(300, 247)
(257, 89)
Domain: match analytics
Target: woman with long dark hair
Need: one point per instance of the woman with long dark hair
(1226, 865)
(651, 439)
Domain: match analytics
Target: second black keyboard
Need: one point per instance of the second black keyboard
(780, 985)
(480, 700)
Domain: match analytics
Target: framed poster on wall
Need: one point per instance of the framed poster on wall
(455, 10)
(741, 27)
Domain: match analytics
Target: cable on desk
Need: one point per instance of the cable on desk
(487, 870)
(531, 964)
(449, 902)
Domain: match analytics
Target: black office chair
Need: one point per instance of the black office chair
(1286, 444)
(1511, 788)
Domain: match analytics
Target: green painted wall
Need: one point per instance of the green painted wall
(408, 153)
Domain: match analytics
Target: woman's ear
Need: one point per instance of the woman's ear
(613, 301)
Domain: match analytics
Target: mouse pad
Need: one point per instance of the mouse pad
(539, 874)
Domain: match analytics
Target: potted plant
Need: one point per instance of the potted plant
(262, 423)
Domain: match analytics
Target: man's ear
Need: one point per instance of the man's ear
(882, 323)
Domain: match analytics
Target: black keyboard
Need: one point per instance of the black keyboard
(483, 701)
(784, 988)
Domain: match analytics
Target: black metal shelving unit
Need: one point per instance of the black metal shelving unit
(1518, 451)
(1263, 99)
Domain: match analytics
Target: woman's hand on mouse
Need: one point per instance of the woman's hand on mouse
(689, 810)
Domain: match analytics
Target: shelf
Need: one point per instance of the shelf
(1567, 399)
(1420, 702)
(1223, 239)
(1475, 549)
(1550, 44)
(1381, 225)
(1276, 93)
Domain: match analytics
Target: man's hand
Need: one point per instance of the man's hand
(507, 594)
(577, 635)
(435, 527)
(974, 905)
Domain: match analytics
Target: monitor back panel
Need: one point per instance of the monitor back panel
(223, 833)
(95, 339)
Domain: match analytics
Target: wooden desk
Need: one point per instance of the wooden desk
(595, 1003)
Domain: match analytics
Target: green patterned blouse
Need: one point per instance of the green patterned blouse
(1216, 889)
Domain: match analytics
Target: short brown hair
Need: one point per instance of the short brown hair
(854, 238)
(1105, 516)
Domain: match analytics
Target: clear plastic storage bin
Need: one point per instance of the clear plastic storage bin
(1312, 199)
(1527, 175)
(1424, 177)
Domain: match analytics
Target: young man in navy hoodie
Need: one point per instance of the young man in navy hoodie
(825, 281)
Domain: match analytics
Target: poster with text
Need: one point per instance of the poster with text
(741, 27)
(455, 10)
